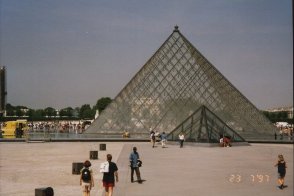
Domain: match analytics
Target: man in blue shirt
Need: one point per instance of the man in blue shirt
(163, 137)
(134, 160)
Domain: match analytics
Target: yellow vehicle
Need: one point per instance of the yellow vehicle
(15, 129)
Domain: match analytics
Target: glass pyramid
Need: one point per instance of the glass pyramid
(174, 82)
(204, 126)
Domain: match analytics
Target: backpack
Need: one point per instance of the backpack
(49, 191)
(86, 175)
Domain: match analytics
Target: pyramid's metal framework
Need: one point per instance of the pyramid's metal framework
(204, 126)
(172, 84)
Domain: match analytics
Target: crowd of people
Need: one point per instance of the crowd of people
(59, 126)
(161, 137)
(285, 132)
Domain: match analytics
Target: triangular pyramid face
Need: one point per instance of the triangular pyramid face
(174, 81)
(204, 126)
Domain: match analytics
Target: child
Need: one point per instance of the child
(281, 164)
(86, 179)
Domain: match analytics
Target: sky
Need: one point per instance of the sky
(66, 53)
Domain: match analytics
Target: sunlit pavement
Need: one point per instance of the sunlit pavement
(192, 170)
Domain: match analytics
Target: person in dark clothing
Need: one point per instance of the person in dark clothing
(281, 164)
(153, 138)
(110, 176)
(134, 160)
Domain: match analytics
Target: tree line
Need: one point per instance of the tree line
(88, 112)
(50, 113)
(279, 116)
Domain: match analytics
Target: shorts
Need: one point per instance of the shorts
(281, 175)
(108, 184)
(86, 186)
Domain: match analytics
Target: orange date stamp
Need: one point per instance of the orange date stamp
(254, 178)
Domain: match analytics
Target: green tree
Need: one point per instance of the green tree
(274, 117)
(50, 112)
(31, 113)
(76, 112)
(86, 112)
(66, 112)
(266, 113)
(284, 115)
(9, 106)
(19, 112)
(102, 103)
(39, 114)
(10, 110)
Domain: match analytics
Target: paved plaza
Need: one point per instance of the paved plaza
(171, 171)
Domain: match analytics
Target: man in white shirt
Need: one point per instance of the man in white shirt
(182, 139)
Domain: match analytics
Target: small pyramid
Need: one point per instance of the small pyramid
(204, 126)
(166, 90)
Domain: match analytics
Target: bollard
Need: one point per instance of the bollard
(40, 192)
(76, 168)
(102, 147)
(93, 154)
(48, 191)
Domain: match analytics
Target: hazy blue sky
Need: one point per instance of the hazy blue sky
(61, 53)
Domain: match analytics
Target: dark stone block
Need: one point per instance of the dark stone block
(76, 168)
(93, 154)
(40, 192)
(102, 147)
(48, 191)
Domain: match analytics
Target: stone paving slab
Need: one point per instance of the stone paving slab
(171, 171)
(26, 166)
(190, 171)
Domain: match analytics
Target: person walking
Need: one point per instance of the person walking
(135, 162)
(153, 138)
(281, 164)
(182, 139)
(163, 137)
(86, 178)
(110, 177)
